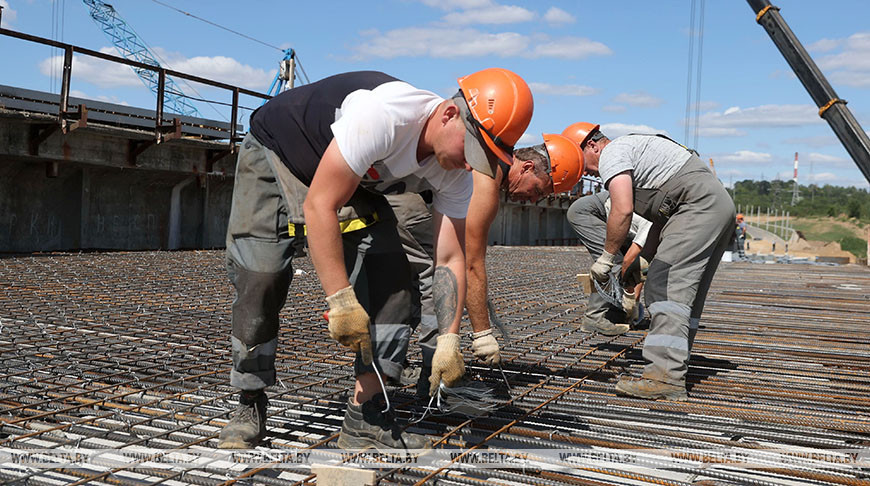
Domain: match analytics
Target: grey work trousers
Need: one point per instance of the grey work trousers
(416, 231)
(588, 217)
(697, 215)
(266, 197)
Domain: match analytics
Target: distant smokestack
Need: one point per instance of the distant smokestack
(795, 166)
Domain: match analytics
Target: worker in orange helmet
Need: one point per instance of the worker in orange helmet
(692, 216)
(740, 233)
(317, 162)
(588, 217)
(535, 172)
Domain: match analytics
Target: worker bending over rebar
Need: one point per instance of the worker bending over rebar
(692, 216)
(317, 162)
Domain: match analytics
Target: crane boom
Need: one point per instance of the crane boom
(133, 48)
(831, 108)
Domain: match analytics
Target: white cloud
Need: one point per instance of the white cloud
(744, 157)
(824, 45)
(457, 4)
(613, 130)
(706, 105)
(826, 160)
(107, 74)
(563, 89)
(556, 15)
(613, 108)
(9, 15)
(528, 139)
(814, 141)
(570, 48)
(720, 132)
(850, 66)
(448, 42)
(494, 14)
(103, 74)
(638, 98)
(833, 179)
(440, 43)
(762, 116)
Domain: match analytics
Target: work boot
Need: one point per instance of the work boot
(651, 389)
(602, 317)
(366, 426)
(247, 427)
(603, 326)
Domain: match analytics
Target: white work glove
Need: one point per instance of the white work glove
(601, 268)
(644, 268)
(349, 323)
(447, 364)
(629, 305)
(485, 347)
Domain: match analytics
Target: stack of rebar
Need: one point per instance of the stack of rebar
(127, 354)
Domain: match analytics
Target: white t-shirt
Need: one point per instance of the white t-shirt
(377, 132)
(639, 226)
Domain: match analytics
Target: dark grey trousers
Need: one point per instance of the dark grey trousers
(266, 196)
(698, 217)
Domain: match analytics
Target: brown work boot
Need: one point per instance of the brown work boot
(603, 326)
(651, 389)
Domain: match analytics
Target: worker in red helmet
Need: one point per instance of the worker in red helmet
(588, 217)
(317, 162)
(692, 216)
(535, 172)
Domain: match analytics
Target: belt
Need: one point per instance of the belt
(294, 229)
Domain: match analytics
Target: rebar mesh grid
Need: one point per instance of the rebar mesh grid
(119, 350)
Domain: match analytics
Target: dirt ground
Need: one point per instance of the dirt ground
(798, 247)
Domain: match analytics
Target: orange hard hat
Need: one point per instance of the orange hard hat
(501, 106)
(739, 216)
(566, 161)
(580, 131)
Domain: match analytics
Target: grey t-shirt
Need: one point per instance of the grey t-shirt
(652, 159)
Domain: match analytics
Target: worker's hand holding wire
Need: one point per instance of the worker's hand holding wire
(629, 305)
(485, 347)
(601, 268)
(349, 323)
(447, 364)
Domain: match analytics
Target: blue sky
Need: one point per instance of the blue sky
(621, 64)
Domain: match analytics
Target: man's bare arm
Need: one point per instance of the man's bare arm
(448, 284)
(481, 213)
(333, 185)
(621, 209)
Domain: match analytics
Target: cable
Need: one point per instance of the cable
(689, 72)
(698, 75)
(217, 25)
(298, 62)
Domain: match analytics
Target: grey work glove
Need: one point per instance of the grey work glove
(349, 323)
(447, 364)
(601, 268)
(485, 347)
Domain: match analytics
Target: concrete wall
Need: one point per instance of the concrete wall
(96, 199)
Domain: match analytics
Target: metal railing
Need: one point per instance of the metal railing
(162, 132)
